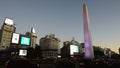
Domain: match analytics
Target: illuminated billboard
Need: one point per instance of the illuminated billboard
(74, 49)
(15, 38)
(9, 21)
(22, 52)
(25, 40)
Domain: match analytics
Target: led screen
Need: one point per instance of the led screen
(25, 40)
(15, 38)
(74, 49)
(22, 52)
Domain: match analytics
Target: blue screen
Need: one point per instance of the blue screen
(76, 49)
(25, 41)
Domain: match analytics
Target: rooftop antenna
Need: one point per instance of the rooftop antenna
(73, 38)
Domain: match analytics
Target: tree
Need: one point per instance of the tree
(98, 52)
(38, 53)
(115, 55)
(28, 34)
(30, 53)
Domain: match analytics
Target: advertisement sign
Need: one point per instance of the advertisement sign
(15, 38)
(74, 49)
(22, 52)
(25, 40)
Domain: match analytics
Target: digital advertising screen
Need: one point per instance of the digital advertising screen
(74, 49)
(22, 52)
(25, 40)
(15, 38)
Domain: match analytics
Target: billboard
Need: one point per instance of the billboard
(74, 49)
(22, 52)
(25, 40)
(15, 38)
(9, 21)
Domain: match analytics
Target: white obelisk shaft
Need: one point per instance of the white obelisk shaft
(89, 54)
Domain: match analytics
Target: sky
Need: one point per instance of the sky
(64, 18)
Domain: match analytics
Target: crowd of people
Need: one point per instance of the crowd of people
(65, 63)
(84, 63)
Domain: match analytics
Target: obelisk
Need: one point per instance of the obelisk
(89, 54)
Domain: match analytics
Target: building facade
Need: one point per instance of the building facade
(7, 30)
(107, 52)
(49, 46)
(6, 34)
(66, 49)
(119, 51)
(33, 38)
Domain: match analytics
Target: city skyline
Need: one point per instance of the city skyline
(64, 19)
